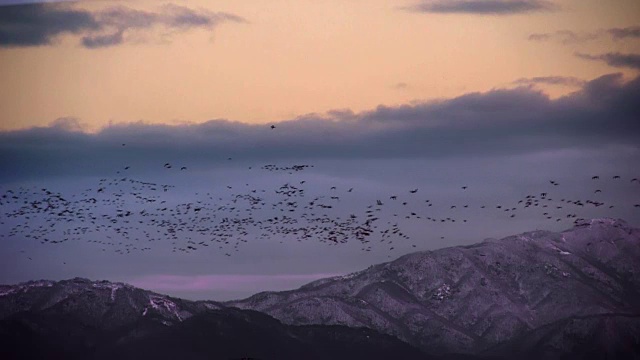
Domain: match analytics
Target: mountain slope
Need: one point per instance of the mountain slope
(609, 336)
(468, 299)
(82, 319)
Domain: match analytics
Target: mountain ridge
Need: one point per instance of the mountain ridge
(83, 319)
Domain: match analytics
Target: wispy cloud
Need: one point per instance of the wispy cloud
(568, 37)
(41, 24)
(551, 80)
(482, 7)
(615, 59)
(232, 282)
(565, 37)
(401, 86)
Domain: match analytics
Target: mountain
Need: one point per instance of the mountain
(103, 303)
(539, 292)
(83, 319)
(537, 295)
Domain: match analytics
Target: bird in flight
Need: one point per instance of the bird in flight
(273, 126)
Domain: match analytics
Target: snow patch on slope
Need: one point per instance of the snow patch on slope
(107, 285)
(159, 303)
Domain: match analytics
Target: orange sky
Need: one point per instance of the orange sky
(294, 57)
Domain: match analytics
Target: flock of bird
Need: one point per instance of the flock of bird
(125, 214)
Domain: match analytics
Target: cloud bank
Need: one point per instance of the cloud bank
(604, 112)
(482, 7)
(42, 23)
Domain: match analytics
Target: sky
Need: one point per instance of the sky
(118, 119)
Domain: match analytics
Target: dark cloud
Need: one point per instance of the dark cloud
(483, 7)
(604, 111)
(18, 2)
(41, 24)
(615, 59)
(551, 80)
(623, 33)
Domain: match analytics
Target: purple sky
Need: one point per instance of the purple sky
(503, 145)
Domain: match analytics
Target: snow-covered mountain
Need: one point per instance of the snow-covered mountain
(571, 295)
(471, 299)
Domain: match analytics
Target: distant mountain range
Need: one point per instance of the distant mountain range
(537, 295)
